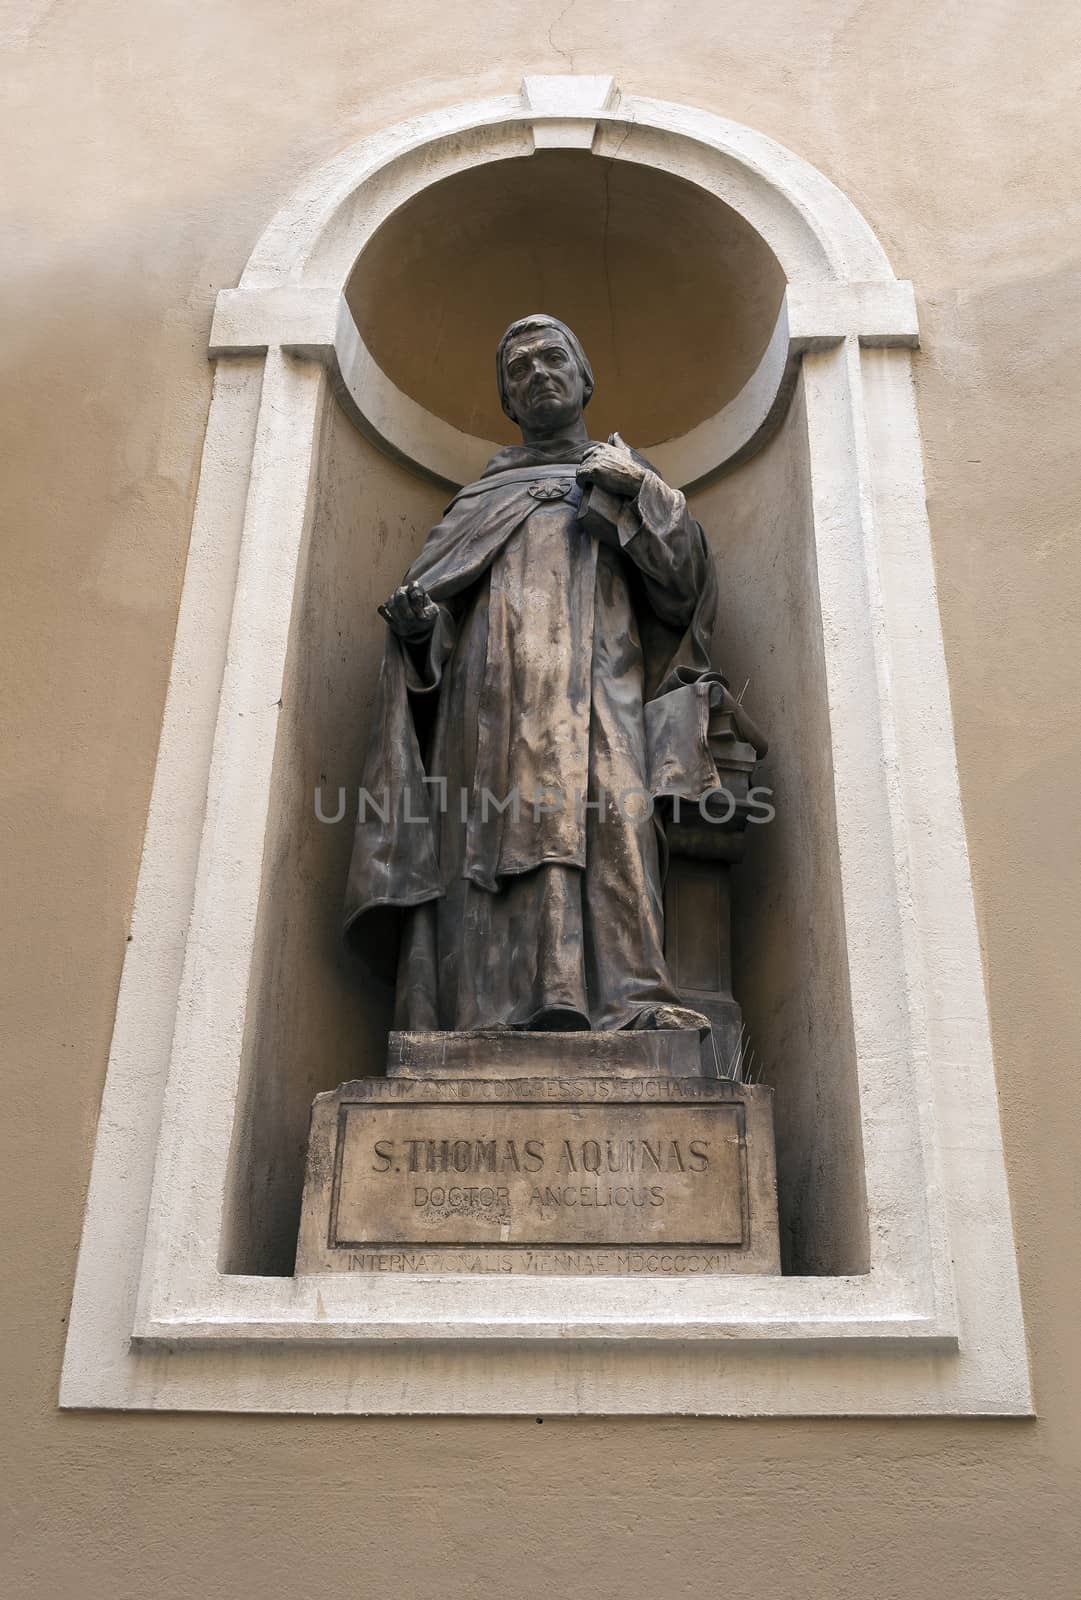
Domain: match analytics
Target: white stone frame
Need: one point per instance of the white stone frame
(935, 1325)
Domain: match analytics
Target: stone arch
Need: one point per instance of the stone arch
(291, 294)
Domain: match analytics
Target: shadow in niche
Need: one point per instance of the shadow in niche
(315, 1019)
(790, 963)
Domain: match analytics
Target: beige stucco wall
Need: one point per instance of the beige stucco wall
(148, 145)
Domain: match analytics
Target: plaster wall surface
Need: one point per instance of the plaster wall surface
(148, 147)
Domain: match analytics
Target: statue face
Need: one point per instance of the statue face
(545, 386)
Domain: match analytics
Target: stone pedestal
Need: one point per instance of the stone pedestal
(541, 1153)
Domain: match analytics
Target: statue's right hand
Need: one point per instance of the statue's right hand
(410, 611)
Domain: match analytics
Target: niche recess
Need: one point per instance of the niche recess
(674, 294)
(747, 331)
(675, 298)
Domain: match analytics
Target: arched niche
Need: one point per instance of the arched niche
(330, 447)
(673, 294)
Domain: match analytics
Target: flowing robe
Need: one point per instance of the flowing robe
(511, 842)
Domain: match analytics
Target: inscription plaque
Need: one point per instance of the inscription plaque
(528, 1174)
(618, 1176)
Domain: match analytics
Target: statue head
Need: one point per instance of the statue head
(545, 381)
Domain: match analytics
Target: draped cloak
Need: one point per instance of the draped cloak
(505, 851)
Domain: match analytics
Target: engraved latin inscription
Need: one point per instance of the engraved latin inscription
(432, 1174)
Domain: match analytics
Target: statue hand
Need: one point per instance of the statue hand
(410, 611)
(611, 466)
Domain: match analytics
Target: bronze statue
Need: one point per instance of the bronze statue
(546, 679)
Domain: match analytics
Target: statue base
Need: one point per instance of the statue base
(577, 1153)
(507, 1053)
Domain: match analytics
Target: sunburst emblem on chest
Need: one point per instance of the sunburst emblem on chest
(551, 488)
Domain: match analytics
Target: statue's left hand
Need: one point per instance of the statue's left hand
(611, 466)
